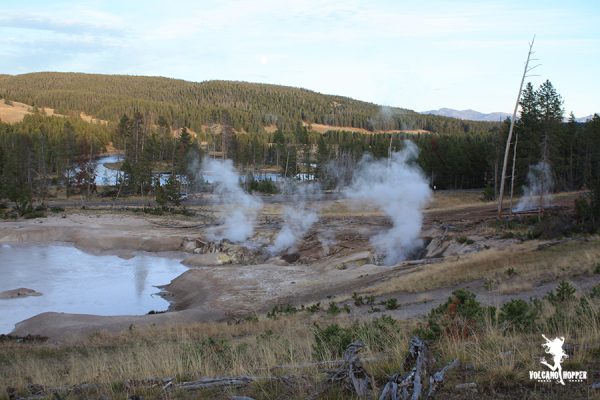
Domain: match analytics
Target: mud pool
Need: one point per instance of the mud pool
(73, 281)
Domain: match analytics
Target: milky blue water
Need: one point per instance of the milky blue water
(107, 176)
(73, 281)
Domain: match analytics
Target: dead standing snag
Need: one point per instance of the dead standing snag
(412, 385)
(352, 373)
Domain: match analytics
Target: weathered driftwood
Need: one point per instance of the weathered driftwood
(237, 381)
(208, 383)
(437, 380)
(37, 391)
(166, 384)
(411, 386)
(352, 373)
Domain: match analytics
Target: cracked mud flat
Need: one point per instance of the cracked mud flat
(320, 271)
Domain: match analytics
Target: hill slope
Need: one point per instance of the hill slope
(246, 106)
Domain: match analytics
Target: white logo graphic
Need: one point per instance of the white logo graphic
(554, 347)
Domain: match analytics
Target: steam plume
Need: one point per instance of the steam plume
(539, 185)
(297, 219)
(241, 208)
(396, 186)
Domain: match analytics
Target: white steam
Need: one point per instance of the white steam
(398, 187)
(241, 208)
(297, 218)
(327, 240)
(538, 188)
(297, 223)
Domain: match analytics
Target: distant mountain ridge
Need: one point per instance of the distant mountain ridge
(582, 119)
(470, 115)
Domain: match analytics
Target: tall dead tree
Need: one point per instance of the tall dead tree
(526, 70)
(512, 179)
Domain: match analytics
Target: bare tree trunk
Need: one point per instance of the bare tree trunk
(390, 151)
(287, 160)
(88, 168)
(541, 210)
(44, 190)
(510, 131)
(546, 161)
(512, 180)
(496, 178)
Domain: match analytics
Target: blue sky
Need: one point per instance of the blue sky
(416, 54)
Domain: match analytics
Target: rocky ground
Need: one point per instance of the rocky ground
(462, 247)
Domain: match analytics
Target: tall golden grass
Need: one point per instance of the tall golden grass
(495, 358)
(534, 266)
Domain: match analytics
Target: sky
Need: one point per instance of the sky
(420, 55)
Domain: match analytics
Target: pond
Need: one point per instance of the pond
(73, 281)
(108, 176)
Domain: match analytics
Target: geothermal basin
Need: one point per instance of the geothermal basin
(73, 281)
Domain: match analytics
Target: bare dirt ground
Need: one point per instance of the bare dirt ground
(334, 261)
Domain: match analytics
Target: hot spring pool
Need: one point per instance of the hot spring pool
(73, 281)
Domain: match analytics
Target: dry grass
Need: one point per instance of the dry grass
(17, 111)
(13, 113)
(497, 360)
(556, 262)
(503, 358)
(187, 352)
(443, 200)
(90, 119)
(514, 287)
(322, 128)
(348, 208)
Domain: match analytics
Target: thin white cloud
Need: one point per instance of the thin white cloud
(414, 54)
(81, 21)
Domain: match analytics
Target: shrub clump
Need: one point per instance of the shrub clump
(332, 340)
(464, 240)
(519, 316)
(460, 316)
(266, 186)
(281, 309)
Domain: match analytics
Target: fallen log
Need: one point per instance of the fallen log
(208, 383)
(37, 391)
(237, 381)
(165, 383)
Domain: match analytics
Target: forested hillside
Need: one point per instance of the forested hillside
(247, 107)
(43, 151)
(262, 127)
